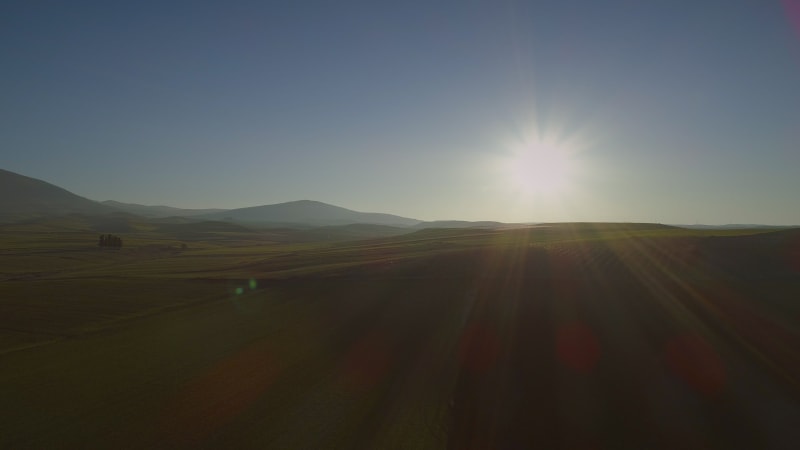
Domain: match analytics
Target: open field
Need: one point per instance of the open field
(563, 336)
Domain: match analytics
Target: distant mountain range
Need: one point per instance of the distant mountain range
(158, 211)
(308, 212)
(25, 198)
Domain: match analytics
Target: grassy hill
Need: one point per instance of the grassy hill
(22, 197)
(158, 211)
(307, 212)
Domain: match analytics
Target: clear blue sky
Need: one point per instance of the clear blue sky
(671, 111)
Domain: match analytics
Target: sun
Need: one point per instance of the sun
(539, 169)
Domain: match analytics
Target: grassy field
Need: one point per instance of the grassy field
(559, 336)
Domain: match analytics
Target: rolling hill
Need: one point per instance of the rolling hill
(308, 212)
(24, 197)
(462, 224)
(158, 211)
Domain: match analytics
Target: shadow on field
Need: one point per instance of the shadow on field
(594, 347)
(511, 341)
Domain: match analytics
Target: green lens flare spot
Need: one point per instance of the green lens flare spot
(253, 283)
(239, 291)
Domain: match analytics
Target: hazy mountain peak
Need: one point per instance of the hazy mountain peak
(21, 195)
(159, 210)
(24, 197)
(309, 212)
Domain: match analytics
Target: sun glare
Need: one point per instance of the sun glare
(540, 169)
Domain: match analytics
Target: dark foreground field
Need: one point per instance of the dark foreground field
(567, 336)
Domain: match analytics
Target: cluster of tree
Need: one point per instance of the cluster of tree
(109, 240)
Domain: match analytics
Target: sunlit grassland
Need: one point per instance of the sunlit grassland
(172, 376)
(237, 340)
(61, 283)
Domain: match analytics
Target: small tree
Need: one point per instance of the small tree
(109, 240)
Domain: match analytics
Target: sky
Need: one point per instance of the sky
(657, 111)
